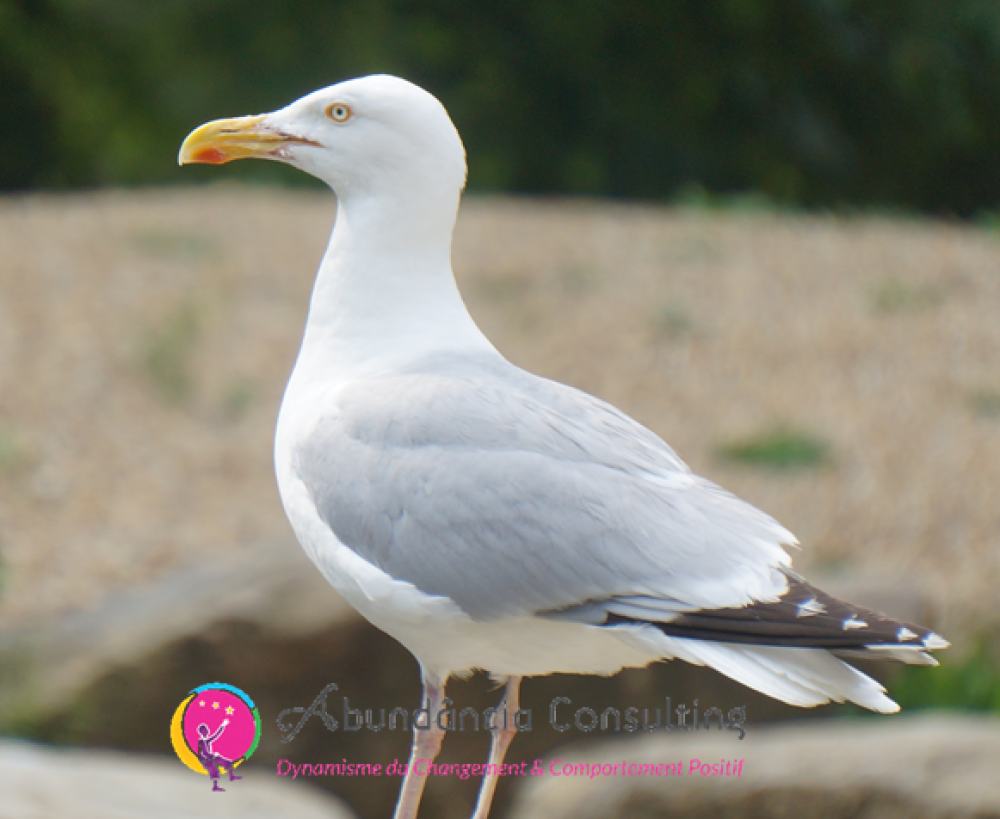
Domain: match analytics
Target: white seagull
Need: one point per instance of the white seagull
(488, 518)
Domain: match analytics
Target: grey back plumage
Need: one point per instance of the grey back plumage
(511, 494)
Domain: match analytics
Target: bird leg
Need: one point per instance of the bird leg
(426, 745)
(498, 750)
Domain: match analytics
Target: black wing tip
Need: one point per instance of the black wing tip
(803, 617)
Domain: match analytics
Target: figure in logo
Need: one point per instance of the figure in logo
(233, 717)
(212, 761)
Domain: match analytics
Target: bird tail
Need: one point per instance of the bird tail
(799, 676)
(787, 648)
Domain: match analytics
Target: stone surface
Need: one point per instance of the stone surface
(274, 588)
(37, 782)
(923, 767)
(269, 624)
(111, 676)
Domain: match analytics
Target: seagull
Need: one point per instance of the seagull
(487, 518)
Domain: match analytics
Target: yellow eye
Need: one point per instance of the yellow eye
(339, 112)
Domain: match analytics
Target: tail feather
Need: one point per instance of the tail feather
(910, 656)
(786, 648)
(803, 617)
(802, 677)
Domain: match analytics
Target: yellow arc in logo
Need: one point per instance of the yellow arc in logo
(180, 744)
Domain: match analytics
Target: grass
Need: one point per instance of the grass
(506, 289)
(178, 245)
(988, 220)
(166, 355)
(671, 322)
(971, 685)
(239, 397)
(12, 450)
(577, 280)
(986, 403)
(778, 449)
(696, 198)
(894, 296)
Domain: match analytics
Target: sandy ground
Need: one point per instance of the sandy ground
(145, 339)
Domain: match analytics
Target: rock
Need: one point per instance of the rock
(273, 589)
(922, 767)
(44, 783)
(276, 588)
(112, 676)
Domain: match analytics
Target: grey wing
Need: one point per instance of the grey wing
(511, 495)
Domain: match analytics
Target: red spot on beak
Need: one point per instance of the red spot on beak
(210, 156)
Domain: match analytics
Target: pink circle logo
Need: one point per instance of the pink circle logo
(215, 729)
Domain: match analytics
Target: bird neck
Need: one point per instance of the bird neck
(385, 292)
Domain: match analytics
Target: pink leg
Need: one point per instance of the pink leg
(426, 745)
(498, 750)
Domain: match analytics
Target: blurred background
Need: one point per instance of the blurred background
(822, 103)
(767, 229)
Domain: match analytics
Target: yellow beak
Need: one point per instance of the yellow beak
(224, 140)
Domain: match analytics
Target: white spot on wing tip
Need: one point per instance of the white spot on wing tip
(935, 642)
(810, 607)
(854, 622)
(905, 634)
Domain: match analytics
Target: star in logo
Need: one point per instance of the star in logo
(230, 710)
(202, 703)
(215, 705)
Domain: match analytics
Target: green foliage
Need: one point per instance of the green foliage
(12, 450)
(671, 322)
(749, 203)
(894, 296)
(240, 396)
(17, 453)
(506, 289)
(989, 220)
(986, 403)
(972, 684)
(576, 280)
(173, 244)
(166, 355)
(781, 449)
(814, 102)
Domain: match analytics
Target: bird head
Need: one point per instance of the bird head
(377, 134)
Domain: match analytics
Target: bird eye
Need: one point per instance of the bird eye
(339, 112)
